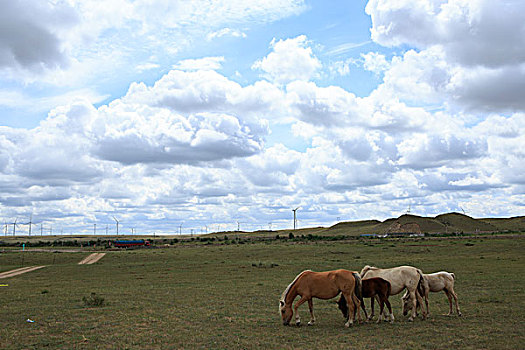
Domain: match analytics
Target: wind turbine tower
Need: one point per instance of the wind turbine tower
(14, 227)
(114, 218)
(30, 223)
(295, 217)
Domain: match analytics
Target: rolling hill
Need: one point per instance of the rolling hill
(444, 223)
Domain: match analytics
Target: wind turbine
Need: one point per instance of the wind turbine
(14, 226)
(30, 223)
(114, 218)
(295, 217)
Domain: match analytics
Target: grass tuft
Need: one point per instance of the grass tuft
(93, 300)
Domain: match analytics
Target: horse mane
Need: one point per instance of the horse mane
(368, 268)
(285, 293)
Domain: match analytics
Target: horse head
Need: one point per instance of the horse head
(407, 303)
(341, 303)
(286, 312)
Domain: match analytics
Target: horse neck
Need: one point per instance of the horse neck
(291, 291)
(290, 296)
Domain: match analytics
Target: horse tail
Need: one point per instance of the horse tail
(421, 285)
(358, 287)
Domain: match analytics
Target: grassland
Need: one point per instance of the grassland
(226, 296)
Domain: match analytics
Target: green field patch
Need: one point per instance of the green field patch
(213, 297)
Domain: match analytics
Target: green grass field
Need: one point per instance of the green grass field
(226, 296)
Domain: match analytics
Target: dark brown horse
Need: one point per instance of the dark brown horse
(371, 288)
(322, 285)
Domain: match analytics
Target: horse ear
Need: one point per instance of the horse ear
(281, 303)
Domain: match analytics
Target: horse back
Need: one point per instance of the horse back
(375, 285)
(398, 277)
(325, 285)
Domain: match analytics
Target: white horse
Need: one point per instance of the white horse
(400, 278)
(437, 282)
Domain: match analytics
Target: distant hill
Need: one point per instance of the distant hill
(451, 222)
(443, 223)
(511, 224)
(460, 222)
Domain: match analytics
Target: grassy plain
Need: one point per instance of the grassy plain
(226, 296)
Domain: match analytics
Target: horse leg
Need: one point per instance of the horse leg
(420, 300)
(454, 295)
(426, 304)
(371, 316)
(350, 304)
(363, 306)
(381, 307)
(358, 304)
(414, 301)
(449, 296)
(311, 307)
(299, 303)
(378, 298)
(389, 308)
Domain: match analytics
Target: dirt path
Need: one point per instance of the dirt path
(19, 271)
(91, 259)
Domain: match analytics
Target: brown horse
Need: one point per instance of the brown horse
(371, 288)
(321, 285)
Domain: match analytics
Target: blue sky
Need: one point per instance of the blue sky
(337, 32)
(205, 114)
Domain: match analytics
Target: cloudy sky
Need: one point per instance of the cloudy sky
(208, 115)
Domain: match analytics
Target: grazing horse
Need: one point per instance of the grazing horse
(400, 278)
(437, 282)
(321, 285)
(371, 288)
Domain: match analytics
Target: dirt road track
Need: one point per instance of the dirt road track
(19, 271)
(91, 259)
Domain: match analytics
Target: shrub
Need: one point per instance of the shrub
(93, 300)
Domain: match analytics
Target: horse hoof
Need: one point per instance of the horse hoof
(410, 319)
(310, 323)
(298, 324)
(460, 314)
